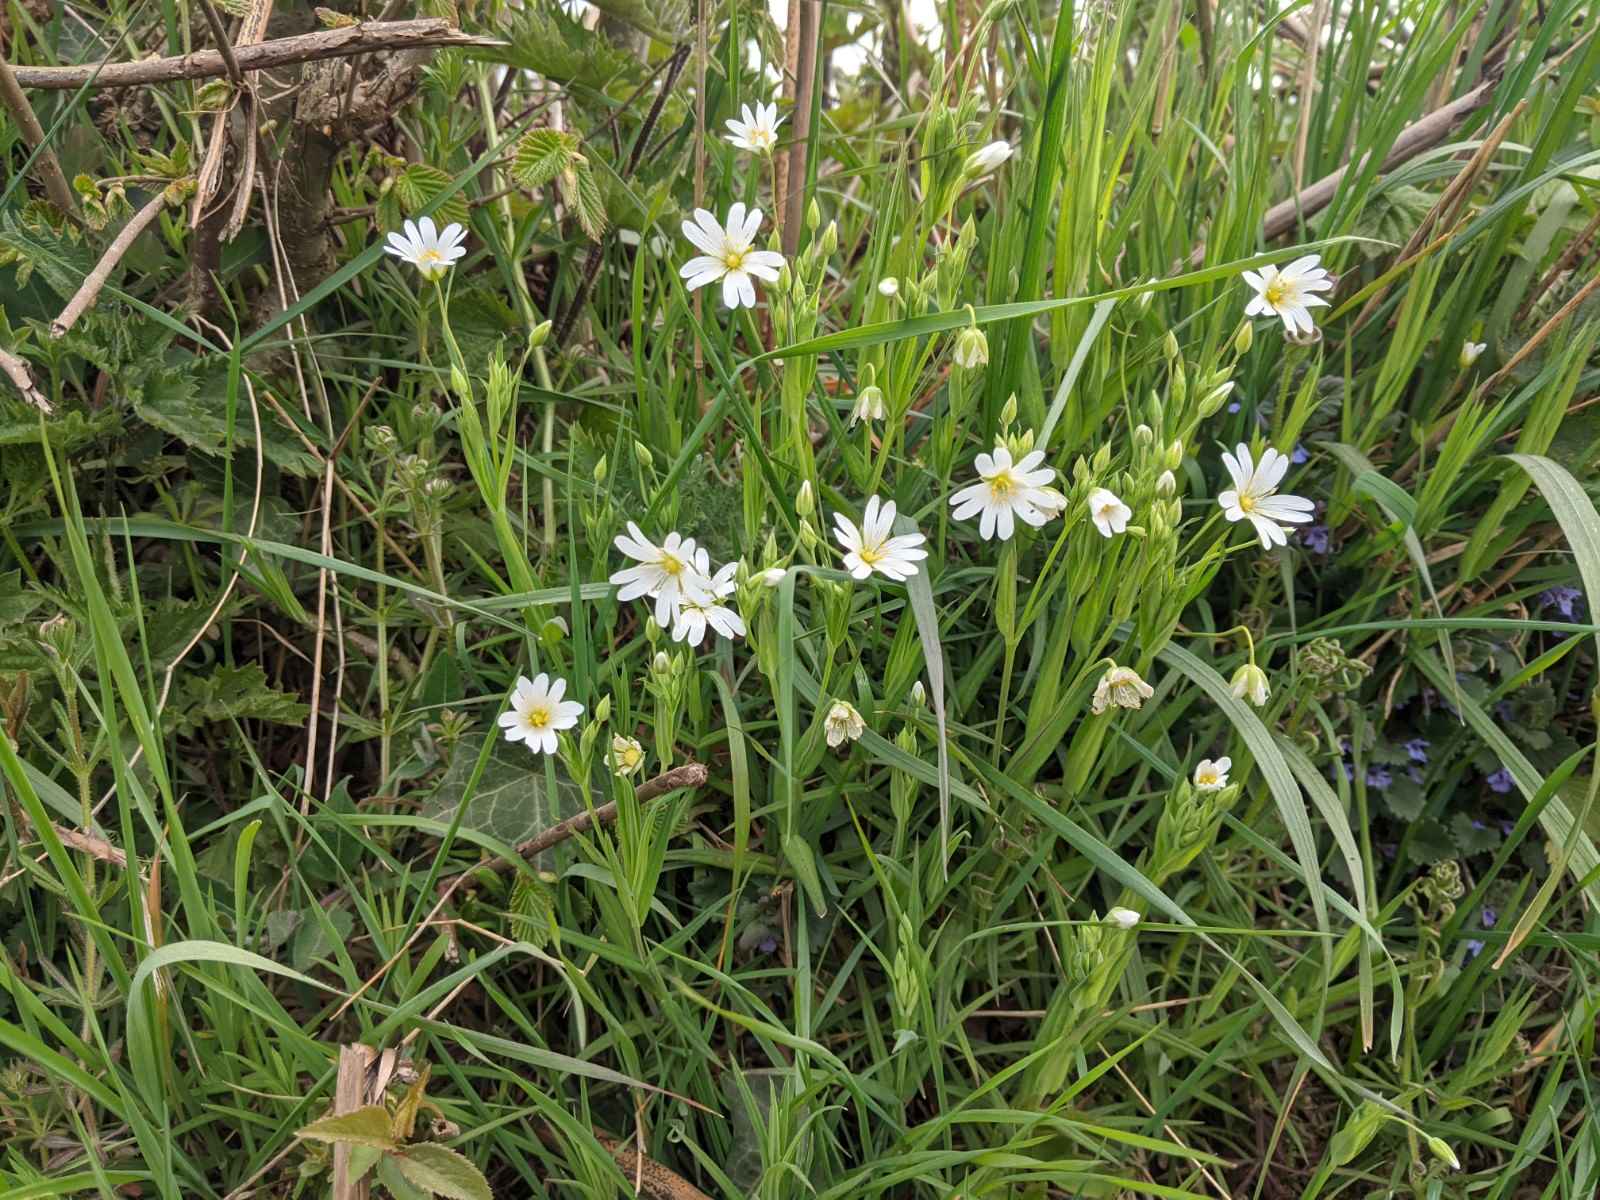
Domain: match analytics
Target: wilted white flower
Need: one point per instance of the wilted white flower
(1250, 683)
(869, 405)
(1291, 293)
(873, 547)
(1470, 352)
(627, 755)
(758, 132)
(772, 576)
(666, 572)
(1120, 687)
(1212, 775)
(888, 286)
(986, 160)
(1254, 497)
(1122, 918)
(1008, 492)
(696, 614)
(972, 348)
(843, 723)
(538, 713)
(430, 250)
(728, 254)
(1109, 514)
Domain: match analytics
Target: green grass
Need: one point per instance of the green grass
(274, 562)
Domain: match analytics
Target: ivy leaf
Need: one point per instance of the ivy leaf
(443, 1171)
(510, 802)
(417, 185)
(367, 1126)
(542, 155)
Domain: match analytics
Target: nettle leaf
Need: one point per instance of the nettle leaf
(367, 1126)
(417, 185)
(443, 1171)
(175, 402)
(542, 155)
(510, 802)
(234, 693)
(33, 245)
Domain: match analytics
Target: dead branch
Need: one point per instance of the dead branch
(47, 164)
(264, 56)
(16, 370)
(84, 300)
(690, 775)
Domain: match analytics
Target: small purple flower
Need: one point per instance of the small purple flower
(1500, 781)
(1414, 774)
(1506, 827)
(1298, 455)
(1233, 406)
(1478, 825)
(1316, 538)
(1379, 777)
(1564, 600)
(1488, 916)
(1417, 750)
(1474, 947)
(767, 944)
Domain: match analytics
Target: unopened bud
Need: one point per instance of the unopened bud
(830, 239)
(772, 576)
(600, 470)
(1143, 436)
(919, 694)
(661, 664)
(1008, 411)
(602, 710)
(1243, 339)
(1169, 344)
(1216, 398)
(1174, 458)
(805, 503)
(539, 335)
(1166, 485)
(972, 348)
(1441, 1150)
(642, 455)
(460, 384)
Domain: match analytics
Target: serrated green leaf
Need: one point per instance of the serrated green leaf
(233, 693)
(367, 1126)
(541, 155)
(417, 185)
(443, 1171)
(587, 200)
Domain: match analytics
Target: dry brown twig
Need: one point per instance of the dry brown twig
(49, 166)
(264, 56)
(89, 292)
(16, 370)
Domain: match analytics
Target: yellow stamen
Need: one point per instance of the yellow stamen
(1000, 485)
(1277, 292)
(734, 259)
(1247, 502)
(538, 718)
(671, 565)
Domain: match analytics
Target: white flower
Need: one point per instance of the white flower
(627, 755)
(1008, 491)
(697, 614)
(843, 723)
(665, 572)
(1250, 681)
(728, 255)
(758, 132)
(1470, 352)
(872, 547)
(1254, 495)
(772, 576)
(1290, 293)
(1122, 918)
(430, 250)
(1109, 514)
(972, 348)
(1050, 502)
(988, 159)
(1120, 687)
(1212, 775)
(889, 286)
(869, 406)
(538, 713)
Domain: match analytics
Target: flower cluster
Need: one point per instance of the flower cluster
(678, 576)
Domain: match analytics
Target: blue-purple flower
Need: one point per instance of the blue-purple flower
(1501, 781)
(1488, 916)
(1379, 777)
(1316, 538)
(1298, 455)
(1564, 600)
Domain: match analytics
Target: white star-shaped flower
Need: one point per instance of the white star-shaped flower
(666, 572)
(696, 615)
(1008, 492)
(873, 547)
(728, 254)
(538, 713)
(1212, 775)
(1291, 293)
(1109, 514)
(758, 132)
(430, 250)
(1254, 495)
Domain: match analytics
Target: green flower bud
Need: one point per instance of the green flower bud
(539, 335)
(1243, 339)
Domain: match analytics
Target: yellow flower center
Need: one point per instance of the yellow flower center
(1206, 776)
(538, 716)
(1279, 291)
(871, 554)
(429, 257)
(1000, 485)
(671, 565)
(734, 259)
(1247, 502)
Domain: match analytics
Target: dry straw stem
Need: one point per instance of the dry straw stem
(264, 56)
(16, 370)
